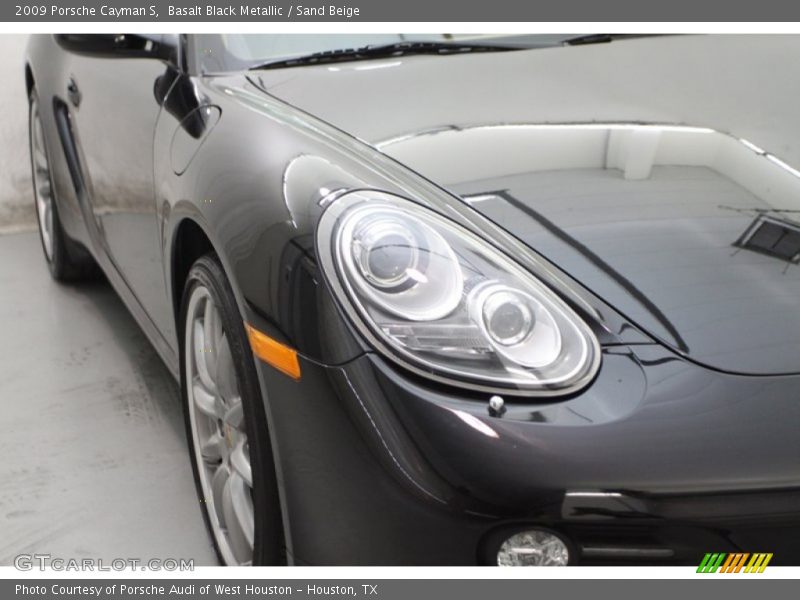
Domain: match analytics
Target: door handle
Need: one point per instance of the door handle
(73, 92)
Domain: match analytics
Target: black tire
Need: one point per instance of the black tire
(66, 259)
(268, 548)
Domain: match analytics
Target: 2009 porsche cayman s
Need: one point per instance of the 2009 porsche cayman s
(447, 299)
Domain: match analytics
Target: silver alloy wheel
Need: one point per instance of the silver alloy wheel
(42, 187)
(218, 430)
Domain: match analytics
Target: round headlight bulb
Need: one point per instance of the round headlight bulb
(386, 252)
(519, 327)
(400, 264)
(533, 548)
(508, 318)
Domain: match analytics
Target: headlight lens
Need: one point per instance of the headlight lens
(445, 303)
(403, 266)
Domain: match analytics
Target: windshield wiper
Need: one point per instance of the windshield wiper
(384, 51)
(604, 38)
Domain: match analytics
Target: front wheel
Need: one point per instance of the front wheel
(226, 424)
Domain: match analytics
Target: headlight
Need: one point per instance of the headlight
(441, 301)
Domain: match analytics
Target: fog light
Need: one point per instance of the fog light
(533, 548)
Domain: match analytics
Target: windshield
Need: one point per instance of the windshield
(236, 52)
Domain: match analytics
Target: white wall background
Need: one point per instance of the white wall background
(16, 201)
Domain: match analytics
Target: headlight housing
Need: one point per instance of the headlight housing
(436, 298)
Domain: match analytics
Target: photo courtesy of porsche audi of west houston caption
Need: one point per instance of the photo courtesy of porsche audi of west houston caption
(149, 590)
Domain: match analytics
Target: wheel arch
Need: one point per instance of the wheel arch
(189, 243)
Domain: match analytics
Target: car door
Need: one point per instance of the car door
(115, 88)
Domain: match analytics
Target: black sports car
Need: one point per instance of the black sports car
(526, 300)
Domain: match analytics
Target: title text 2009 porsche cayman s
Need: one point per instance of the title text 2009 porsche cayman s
(448, 299)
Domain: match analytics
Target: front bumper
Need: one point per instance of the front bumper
(659, 461)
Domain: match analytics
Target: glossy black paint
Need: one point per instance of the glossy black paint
(668, 450)
(560, 150)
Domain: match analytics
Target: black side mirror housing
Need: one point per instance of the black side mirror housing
(121, 45)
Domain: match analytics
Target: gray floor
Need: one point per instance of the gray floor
(94, 460)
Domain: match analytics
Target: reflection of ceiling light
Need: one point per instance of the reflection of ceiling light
(549, 127)
(625, 127)
(770, 157)
(777, 161)
(480, 198)
(475, 423)
(370, 67)
(752, 146)
(601, 126)
(594, 494)
(374, 66)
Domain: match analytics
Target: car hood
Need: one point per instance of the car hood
(660, 172)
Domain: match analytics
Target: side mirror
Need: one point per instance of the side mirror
(121, 45)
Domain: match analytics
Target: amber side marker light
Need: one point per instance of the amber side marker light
(274, 353)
